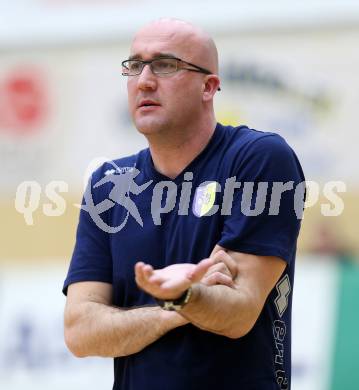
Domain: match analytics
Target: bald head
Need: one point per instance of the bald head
(184, 96)
(191, 42)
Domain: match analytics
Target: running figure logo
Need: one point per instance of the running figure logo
(124, 185)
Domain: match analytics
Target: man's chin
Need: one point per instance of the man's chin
(148, 128)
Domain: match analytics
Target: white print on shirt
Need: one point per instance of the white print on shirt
(279, 333)
(280, 330)
(282, 380)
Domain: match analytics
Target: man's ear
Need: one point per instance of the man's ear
(210, 87)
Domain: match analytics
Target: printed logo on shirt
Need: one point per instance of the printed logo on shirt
(204, 199)
(281, 302)
(283, 288)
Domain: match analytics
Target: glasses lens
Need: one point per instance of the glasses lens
(132, 67)
(164, 65)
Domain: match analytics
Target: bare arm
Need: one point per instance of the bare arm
(232, 312)
(94, 328)
(221, 309)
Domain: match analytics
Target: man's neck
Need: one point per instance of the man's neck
(170, 157)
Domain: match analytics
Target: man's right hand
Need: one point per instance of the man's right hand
(223, 271)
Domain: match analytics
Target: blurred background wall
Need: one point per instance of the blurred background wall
(288, 68)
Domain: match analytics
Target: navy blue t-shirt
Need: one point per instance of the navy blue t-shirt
(133, 213)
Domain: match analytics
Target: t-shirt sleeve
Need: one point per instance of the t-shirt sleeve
(91, 258)
(262, 221)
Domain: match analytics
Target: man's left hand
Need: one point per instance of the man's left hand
(170, 282)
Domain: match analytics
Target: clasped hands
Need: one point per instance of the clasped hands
(169, 283)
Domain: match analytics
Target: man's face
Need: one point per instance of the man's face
(159, 103)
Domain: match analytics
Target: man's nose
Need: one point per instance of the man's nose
(147, 80)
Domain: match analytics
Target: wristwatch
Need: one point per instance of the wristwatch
(176, 304)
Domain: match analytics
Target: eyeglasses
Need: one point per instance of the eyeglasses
(160, 66)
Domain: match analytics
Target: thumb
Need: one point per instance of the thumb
(196, 274)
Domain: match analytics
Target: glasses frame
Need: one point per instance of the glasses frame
(197, 69)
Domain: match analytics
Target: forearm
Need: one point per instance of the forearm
(95, 329)
(229, 308)
(220, 309)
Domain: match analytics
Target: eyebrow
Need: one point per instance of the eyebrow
(155, 55)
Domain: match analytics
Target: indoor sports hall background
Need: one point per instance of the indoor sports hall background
(286, 67)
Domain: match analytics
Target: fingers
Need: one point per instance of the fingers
(147, 271)
(172, 280)
(144, 274)
(225, 258)
(200, 270)
(218, 278)
(216, 249)
(159, 283)
(224, 270)
(219, 267)
(143, 271)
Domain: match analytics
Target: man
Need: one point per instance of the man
(193, 290)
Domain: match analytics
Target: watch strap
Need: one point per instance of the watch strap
(175, 304)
